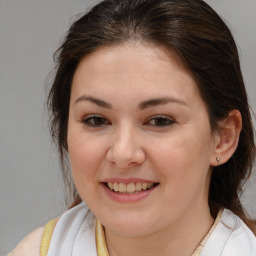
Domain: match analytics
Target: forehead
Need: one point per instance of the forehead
(132, 69)
(108, 58)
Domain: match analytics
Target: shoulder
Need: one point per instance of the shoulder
(30, 245)
(241, 240)
(65, 228)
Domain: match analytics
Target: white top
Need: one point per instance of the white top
(74, 235)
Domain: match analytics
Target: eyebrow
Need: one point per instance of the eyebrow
(94, 100)
(142, 105)
(161, 101)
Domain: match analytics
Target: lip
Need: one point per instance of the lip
(127, 198)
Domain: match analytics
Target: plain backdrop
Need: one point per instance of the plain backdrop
(30, 32)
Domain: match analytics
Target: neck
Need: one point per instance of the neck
(188, 230)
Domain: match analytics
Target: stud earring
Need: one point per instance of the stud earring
(218, 160)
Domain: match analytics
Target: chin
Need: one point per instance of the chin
(129, 226)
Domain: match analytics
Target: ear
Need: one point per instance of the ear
(227, 138)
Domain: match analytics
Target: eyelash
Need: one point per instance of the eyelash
(87, 121)
(165, 121)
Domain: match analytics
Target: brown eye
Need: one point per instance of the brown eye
(95, 121)
(160, 121)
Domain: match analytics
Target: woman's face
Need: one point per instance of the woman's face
(139, 139)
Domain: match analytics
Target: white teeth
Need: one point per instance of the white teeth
(144, 185)
(122, 187)
(138, 186)
(115, 186)
(129, 188)
(110, 185)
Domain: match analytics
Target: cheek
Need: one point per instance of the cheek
(184, 167)
(185, 155)
(85, 153)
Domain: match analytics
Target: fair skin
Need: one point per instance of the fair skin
(136, 116)
(151, 126)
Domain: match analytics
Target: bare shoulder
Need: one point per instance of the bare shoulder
(30, 245)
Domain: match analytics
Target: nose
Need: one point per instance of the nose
(126, 150)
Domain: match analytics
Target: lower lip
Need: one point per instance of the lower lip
(128, 198)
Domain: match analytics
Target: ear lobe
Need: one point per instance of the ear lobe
(228, 138)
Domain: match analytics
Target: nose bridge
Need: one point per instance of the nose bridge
(126, 148)
(124, 138)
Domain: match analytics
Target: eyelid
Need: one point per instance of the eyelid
(166, 121)
(86, 119)
(160, 116)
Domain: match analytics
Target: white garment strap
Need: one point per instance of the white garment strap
(74, 234)
(231, 232)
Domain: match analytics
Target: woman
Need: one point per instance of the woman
(149, 106)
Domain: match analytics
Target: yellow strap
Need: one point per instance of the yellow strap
(47, 236)
(100, 240)
(201, 245)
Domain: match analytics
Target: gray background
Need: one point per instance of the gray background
(30, 31)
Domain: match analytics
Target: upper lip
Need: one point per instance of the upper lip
(127, 181)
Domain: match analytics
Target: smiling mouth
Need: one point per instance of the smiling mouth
(130, 188)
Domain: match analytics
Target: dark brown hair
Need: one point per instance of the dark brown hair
(205, 47)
